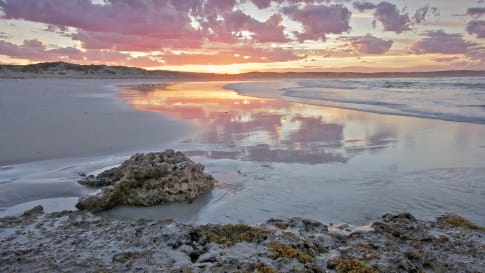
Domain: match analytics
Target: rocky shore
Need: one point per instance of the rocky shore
(77, 241)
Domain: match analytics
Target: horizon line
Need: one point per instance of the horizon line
(243, 73)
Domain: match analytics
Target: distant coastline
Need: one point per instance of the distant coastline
(69, 70)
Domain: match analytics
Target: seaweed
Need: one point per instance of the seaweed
(350, 266)
(232, 234)
(286, 251)
(459, 221)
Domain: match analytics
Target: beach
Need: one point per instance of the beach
(53, 129)
(248, 136)
(275, 158)
(272, 157)
(298, 186)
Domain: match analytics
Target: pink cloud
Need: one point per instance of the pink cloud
(369, 44)
(441, 42)
(269, 31)
(123, 24)
(477, 54)
(153, 17)
(128, 42)
(476, 27)
(232, 56)
(29, 49)
(261, 4)
(319, 20)
(115, 57)
(35, 50)
(220, 5)
(389, 15)
(231, 28)
(446, 59)
(148, 24)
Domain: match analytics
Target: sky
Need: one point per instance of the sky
(234, 36)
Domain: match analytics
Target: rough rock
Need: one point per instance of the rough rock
(398, 243)
(34, 211)
(147, 180)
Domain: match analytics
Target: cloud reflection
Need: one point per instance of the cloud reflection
(247, 128)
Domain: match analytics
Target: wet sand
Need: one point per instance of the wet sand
(275, 158)
(55, 118)
(52, 129)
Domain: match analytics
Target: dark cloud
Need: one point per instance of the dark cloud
(475, 11)
(441, 42)
(319, 20)
(231, 28)
(476, 27)
(388, 15)
(261, 4)
(369, 44)
(422, 13)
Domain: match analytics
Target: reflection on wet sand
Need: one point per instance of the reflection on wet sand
(267, 130)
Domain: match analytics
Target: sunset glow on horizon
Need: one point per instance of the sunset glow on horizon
(234, 36)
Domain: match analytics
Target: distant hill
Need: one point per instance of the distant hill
(68, 70)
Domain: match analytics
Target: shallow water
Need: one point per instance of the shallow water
(454, 99)
(275, 158)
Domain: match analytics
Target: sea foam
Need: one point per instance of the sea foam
(453, 99)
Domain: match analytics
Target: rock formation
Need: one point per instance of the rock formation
(395, 243)
(147, 180)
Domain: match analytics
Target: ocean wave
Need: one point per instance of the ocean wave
(451, 99)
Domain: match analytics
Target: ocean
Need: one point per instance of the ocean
(453, 99)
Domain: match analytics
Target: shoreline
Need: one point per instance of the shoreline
(87, 106)
(251, 173)
(284, 93)
(37, 242)
(70, 127)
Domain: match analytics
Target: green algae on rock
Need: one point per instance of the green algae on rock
(37, 242)
(350, 266)
(231, 234)
(280, 250)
